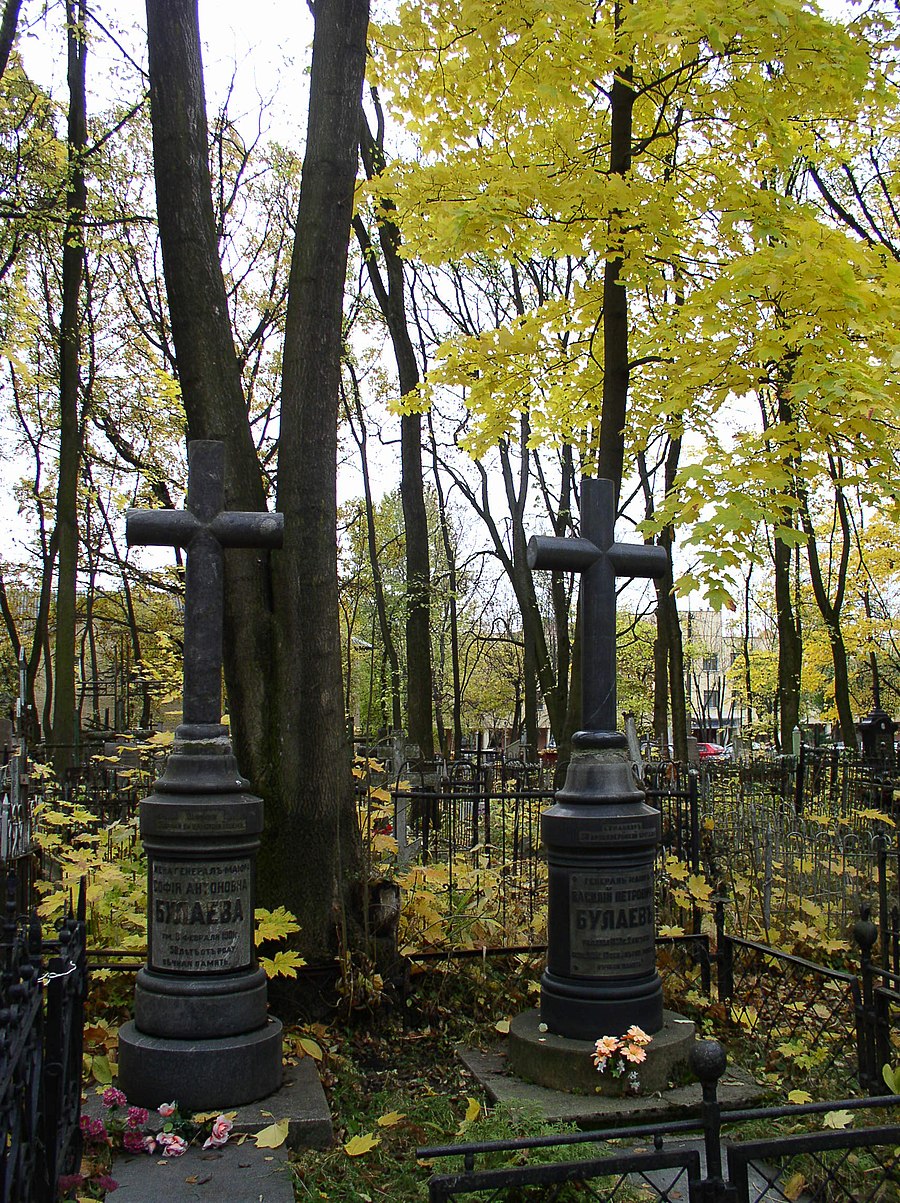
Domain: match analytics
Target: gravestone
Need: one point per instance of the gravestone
(201, 1033)
(877, 732)
(601, 839)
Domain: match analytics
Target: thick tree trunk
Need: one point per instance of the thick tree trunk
(8, 31)
(70, 417)
(282, 643)
(418, 588)
(787, 614)
(208, 371)
(319, 813)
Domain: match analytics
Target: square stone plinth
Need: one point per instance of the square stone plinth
(492, 1071)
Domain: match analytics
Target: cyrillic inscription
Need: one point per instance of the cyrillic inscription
(202, 917)
(611, 930)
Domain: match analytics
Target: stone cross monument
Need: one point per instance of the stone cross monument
(600, 835)
(201, 1033)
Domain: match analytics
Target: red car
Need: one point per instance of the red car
(707, 751)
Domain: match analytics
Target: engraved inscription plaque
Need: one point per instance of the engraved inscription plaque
(611, 930)
(202, 916)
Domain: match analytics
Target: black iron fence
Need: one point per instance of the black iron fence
(42, 993)
(809, 1026)
(697, 1160)
(813, 832)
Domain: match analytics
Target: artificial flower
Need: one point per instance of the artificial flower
(221, 1130)
(171, 1144)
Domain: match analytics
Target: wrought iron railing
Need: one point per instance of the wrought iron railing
(41, 1028)
(691, 1159)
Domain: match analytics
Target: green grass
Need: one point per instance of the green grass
(402, 1065)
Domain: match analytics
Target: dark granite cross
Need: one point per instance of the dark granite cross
(599, 559)
(203, 529)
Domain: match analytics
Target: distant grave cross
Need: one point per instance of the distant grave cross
(204, 528)
(599, 559)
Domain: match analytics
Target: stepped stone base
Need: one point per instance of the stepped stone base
(560, 1063)
(201, 1075)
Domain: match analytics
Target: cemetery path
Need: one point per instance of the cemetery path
(237, 1173)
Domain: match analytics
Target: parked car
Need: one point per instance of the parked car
(707, 751)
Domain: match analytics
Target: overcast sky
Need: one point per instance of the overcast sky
(263, 45)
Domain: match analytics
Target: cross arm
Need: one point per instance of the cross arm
(638, 559)
(160, 528)
(176, 528)
(565, 555)
(248, 529)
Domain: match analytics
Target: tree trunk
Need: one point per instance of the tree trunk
(390, 296)
(282, 639)
(449, 546)
(790, 646)
(319, 811)
(668, 649)
(8, 31)
(829, 609)
(611, 454)
(361, 438)
(790, 641)
(70, 417)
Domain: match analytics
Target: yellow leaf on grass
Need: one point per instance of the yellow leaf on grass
(502, 1026)
(837, 1119)
(272, 1137)
(361, 1144)
(473, 1110)
(310, 1047)
(799, 1097)
(391, 1119)
(794, 1187)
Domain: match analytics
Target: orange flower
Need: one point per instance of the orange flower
(638, 1036)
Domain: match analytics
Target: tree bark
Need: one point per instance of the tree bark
(390, 294)
(830, 609)
(208, 371)
(314, 755)
(787, 615)
(790, 646)
(71, 429)
(282, 640)
(8, 31)
(611, 453)
(668, 651)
